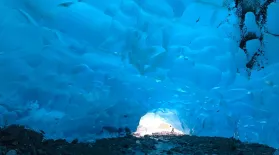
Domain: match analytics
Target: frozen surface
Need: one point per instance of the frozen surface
(71, 67)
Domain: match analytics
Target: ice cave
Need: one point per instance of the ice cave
(142, 73)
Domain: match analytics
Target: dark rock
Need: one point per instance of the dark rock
(75, 141)
(28, 142)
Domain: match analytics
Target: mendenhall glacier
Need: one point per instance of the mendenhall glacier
(73, 69)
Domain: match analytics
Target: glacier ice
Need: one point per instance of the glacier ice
(204, 67)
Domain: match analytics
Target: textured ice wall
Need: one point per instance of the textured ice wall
(72, 67)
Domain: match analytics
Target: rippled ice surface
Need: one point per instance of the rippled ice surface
(71, 67)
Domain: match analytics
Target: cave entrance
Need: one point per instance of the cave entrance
(161, 122)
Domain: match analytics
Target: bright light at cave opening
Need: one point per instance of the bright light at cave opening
(153, 123)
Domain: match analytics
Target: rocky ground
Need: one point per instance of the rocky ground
(17, 140)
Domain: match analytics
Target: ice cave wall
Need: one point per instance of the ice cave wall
(71, 67)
